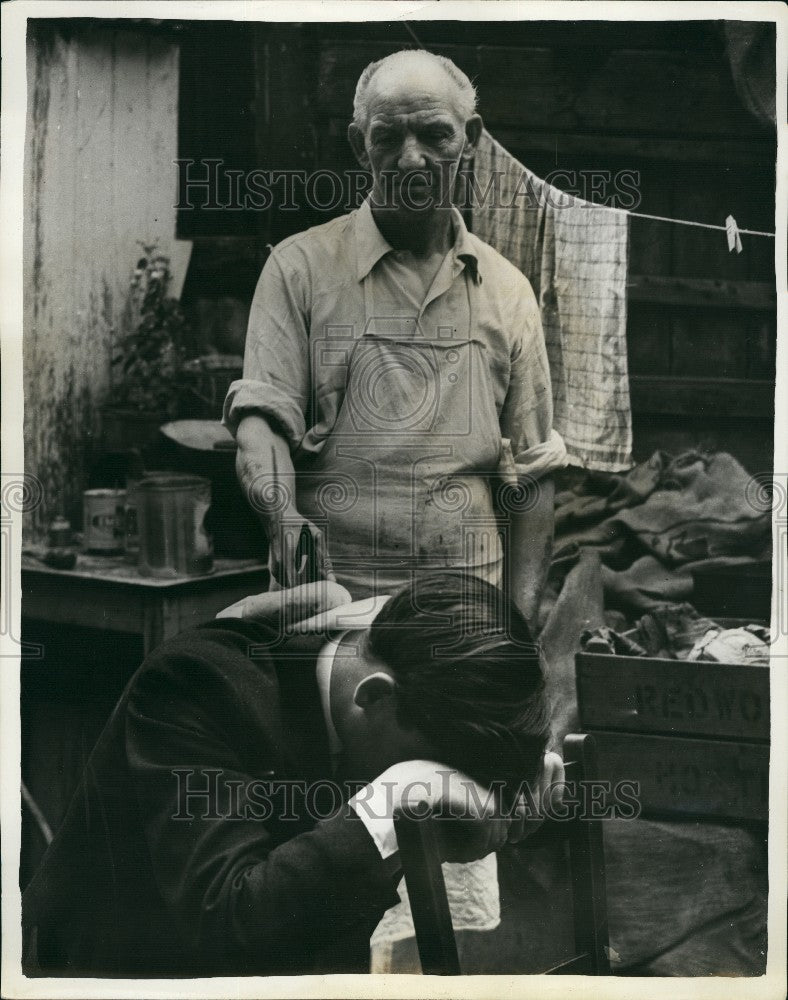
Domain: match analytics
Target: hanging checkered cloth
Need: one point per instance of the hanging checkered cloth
(575, 256)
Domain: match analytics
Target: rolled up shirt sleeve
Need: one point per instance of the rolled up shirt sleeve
(534, 448)
(275, 380)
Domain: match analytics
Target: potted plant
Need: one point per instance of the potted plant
(148, 382)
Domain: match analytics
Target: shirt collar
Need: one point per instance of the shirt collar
(371, 245)
(340, 621)
(323, 669)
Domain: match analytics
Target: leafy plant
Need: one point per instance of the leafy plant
(148, 363)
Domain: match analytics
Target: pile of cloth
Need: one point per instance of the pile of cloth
(658, 523)
(685, 897)
(627, 544)
(678, 632)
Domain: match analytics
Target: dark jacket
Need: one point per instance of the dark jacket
(132, 886)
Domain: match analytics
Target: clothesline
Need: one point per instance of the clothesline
(688, 222)
(681, 222)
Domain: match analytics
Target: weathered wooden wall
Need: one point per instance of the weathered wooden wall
(99, 177)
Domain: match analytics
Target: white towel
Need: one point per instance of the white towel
(575, 255)
(474, 903)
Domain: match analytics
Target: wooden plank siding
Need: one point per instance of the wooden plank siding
(611, 91)
(101, 138)
(713, 293)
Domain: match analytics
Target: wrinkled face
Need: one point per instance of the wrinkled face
(414, 137)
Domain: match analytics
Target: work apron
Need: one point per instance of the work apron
(402, 484)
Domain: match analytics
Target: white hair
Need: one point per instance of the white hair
(466, 92)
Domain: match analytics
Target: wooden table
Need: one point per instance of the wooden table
(105, 592)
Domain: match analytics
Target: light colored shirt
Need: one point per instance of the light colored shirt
(405, 386)
(312, 305)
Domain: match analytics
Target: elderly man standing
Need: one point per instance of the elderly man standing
(395, 368)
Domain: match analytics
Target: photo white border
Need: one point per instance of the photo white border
(14, 104)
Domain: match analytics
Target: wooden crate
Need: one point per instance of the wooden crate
(694, 735)
(689, 776)
(649, 695)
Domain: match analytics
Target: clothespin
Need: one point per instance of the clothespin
(732, 231)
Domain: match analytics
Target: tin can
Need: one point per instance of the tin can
(131, 527)
(103, 520)
(171, 515)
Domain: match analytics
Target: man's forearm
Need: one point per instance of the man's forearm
(268, 478)
(530, 550)
(261, 452)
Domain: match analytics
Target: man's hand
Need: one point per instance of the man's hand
(297, 550)
(288, 607)
(472, 822)
(548, 793)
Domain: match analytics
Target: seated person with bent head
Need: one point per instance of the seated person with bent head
(235, 816)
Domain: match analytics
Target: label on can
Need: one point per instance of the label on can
(103, 520)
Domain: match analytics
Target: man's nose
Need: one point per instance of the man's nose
(411, 156)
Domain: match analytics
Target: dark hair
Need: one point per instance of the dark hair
(468, 675)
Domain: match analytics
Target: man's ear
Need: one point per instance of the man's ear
(374, 691)
(355, 136)
(473, 131)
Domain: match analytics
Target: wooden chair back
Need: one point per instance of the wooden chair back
(418, 847)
